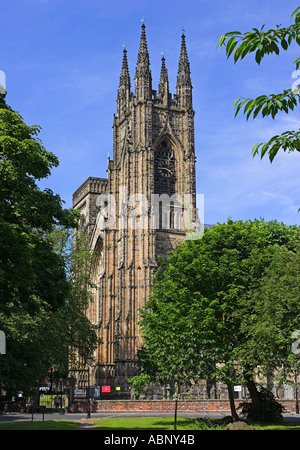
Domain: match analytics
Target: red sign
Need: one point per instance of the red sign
(105, 388)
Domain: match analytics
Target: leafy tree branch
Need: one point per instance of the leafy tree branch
(264, 42)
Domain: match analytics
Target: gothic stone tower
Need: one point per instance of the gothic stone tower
(142, 210)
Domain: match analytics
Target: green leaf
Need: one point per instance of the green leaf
(236, 102)
(274, 150)
(284, 44)
(274, 47)
(297, 62)
(239, 106)
(221, 41)
(239, 51)
(264, 149)
(230, 46)
(258, 56)
(257, 109)
(297, 14)
(255, 149)
(249, 107)
(230, 33)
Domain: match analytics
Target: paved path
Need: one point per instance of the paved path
(85, 425)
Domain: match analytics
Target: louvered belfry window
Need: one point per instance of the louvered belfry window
(164, 169)
(165, 182)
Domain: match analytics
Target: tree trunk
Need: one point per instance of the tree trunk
(234, 414)
(254, 394)
(176, 406)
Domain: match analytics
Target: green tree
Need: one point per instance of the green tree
(198, 301)
(275, 304)
(29, 340)
(29, 267)
(167, 357)
(42, 338)
(76, 332)
(33, 281)
(264, 42)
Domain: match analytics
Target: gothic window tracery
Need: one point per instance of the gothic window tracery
(164, 169)
(165, 182)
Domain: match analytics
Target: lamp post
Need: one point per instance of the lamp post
(89, 362)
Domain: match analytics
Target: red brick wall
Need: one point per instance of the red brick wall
(164, 405)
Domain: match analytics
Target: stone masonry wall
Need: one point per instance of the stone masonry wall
(115, 406)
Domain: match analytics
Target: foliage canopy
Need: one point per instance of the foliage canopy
(264, 42)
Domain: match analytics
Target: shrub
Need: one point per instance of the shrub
(271, 410)
(208, 424)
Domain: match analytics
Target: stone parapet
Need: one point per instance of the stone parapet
(92, 185)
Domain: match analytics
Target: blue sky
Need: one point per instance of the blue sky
(62, 60)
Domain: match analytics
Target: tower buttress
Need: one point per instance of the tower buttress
(184, 84)
(123, 98)
(143, 77)
(163, 88)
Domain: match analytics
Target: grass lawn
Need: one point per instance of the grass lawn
(137, 423)
(282, 426)
(167, 423)
(40, 425)
(144, 423)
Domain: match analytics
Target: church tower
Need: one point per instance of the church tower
(141, 211)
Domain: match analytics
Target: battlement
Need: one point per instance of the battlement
(92, 185)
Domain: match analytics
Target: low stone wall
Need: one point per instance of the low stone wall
(111, 406)
(116, 406)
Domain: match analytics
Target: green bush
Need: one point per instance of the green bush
(207, 424)
(271, 410)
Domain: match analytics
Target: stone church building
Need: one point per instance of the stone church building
(145, 206)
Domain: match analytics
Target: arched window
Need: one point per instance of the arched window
(97, 271)
(98, 261)
(165, 182)
(164, 169)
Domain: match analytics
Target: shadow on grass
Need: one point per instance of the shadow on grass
(40, 425)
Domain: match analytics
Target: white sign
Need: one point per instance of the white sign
(2, 343)
(237, 388)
